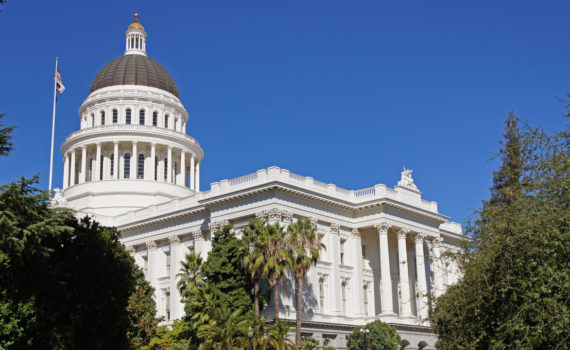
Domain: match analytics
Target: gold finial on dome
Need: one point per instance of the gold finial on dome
(136, 24)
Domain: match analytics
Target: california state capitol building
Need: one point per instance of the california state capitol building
(133, 165)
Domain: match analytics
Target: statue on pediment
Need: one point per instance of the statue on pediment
(406, 179)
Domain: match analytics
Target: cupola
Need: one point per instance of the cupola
(135, 38)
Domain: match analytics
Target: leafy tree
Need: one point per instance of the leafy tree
(380, 336)
(278, 336)
(255, 237)
(64, 283)
(276, 261)
(303, 244)
(514, 293)
(309, 343)
(5, 136)
(142, 313)
(175, 337)
(225, 331)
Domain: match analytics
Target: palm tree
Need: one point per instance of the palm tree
(190, 275)
(303, 245)
(224, 332)
(255, 238)
(275, 261)
(278, 336)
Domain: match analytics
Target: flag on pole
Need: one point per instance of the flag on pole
(58, 84)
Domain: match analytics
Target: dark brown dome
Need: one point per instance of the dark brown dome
(134, 70)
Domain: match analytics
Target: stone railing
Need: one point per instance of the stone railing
(283, 175)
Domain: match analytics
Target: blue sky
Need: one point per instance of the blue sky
(345, 92)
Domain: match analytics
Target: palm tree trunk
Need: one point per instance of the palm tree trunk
(256, 297)
(299, 310)
(276, 300)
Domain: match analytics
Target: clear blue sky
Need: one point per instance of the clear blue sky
(347, 92)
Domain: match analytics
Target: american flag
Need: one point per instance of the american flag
(58, 84)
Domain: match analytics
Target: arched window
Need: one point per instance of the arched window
(101, 168)
(112, 164)
(127, 166)
(102, 118)
(128, 116)
(115, 116)
(141, 117)
(140, 167)
(166, 121)
(165, 169)
(154, 118)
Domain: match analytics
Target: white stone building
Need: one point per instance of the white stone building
(133, 166)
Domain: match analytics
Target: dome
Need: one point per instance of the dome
(136, 24)
(134, 70)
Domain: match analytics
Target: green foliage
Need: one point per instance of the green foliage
(5, 136)
(309, 343)
(190, 276)
(225, 273)
(255, 237)
(276, 261)
(171, 338)
(380, 336)
(514, 293)
(64, 283)
(142, 313)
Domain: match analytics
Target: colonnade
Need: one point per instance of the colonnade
(131, 160)
(422, 277)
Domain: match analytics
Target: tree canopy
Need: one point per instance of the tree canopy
(380, 336)
(515, 289)
(64, 283)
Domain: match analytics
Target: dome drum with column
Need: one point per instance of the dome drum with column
(132, 129)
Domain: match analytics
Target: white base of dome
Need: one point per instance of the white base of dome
(109, 198)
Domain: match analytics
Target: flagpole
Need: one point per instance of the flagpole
(53, 124)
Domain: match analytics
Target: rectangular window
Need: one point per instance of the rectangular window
(101, 168)
(166, 121)
(115, 116)
(167, 305)
(127, 166)
(102, 118)
(168, 263)
(112, 164)
(128, 117)
(141, 117)
(140, 167)
(322, 294)
(154, 118)
(342, 242)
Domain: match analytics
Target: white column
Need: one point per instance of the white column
(116, 160)
(356, 243)
(421, 291)
(437, 267)
(169, 168)
(97, 164)
(335, 291)
(153, 261)
(405, 301)
(177, 255)
(82, 175)
(134, 158)
(192, 172)
(66, 171)
(73, 166)
(386, 279)
(183, 167)
(153, 163)
(197, 184)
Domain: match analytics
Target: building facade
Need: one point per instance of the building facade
(132, 165)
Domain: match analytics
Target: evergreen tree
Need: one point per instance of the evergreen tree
(514, 293)
(142, 313)
(224, 271)
(5, 137)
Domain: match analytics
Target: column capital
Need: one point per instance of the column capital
(419, 237)
(153, 144)
(130, 249)
(355, 232)
(382, 227)
(170, 147)
(198, 234)
(98, 144)
(313, 221)
(334, 227)
(150, 245)
(84, 147)
(115, 142)
(402, 233)
(174, 240)
(134, 142)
